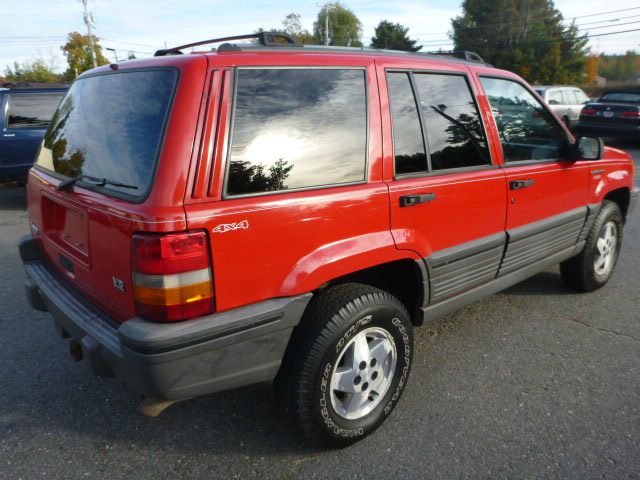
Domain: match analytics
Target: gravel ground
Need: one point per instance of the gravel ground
(534, 382)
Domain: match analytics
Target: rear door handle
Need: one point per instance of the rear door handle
(410, 200)
(518, 184)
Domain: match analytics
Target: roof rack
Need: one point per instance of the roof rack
(467, 55)
(268, 39)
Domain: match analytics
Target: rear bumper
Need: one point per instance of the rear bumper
(608, 130)
(170, 361)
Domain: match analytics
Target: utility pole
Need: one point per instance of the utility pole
(327, 9)
(88, 20)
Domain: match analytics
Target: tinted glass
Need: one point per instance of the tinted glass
(621, 97)
(527, 129)
(296, 128)
(408, 143)
(555, 98)
(110, 126)
(32, 111)
(454, 132)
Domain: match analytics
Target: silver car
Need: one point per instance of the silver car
(565, 101)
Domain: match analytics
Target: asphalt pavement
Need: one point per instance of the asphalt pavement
(535, 382)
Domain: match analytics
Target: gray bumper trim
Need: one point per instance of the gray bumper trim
(173, 361)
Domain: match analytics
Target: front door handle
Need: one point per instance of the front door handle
(410, 200)
(518, 184)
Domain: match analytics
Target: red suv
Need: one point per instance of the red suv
(273, 212)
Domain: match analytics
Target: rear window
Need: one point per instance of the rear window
(297, 128)
(111, 126)
(621, 97)
(32, 110)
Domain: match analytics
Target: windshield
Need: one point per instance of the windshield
(621, 97)
(111, 126)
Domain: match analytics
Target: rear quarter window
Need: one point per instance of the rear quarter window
(297, 128)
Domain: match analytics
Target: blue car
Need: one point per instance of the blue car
(25, 113)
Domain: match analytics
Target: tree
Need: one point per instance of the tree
(393, 36)
(36, 71)
(345, 28)
(293, 26)
(525, 36)
(78, 53)
(593, 64)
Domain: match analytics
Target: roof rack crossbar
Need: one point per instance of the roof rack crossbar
(268, 39)
(467, 55)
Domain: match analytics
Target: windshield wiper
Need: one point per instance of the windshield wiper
(100, 182)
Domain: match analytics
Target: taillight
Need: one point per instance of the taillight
(631, 114)
(172, 277)
(588, 111)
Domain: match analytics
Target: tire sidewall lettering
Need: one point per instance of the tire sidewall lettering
(327, 416)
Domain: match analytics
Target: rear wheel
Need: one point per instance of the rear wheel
(347, 364)
(593, 267)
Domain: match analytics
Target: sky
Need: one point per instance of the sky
(37, 28)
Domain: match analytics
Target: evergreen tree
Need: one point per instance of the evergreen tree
(524, 36)
(393, 36)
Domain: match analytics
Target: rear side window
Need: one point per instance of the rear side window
(111, 126)
(527, 130)
(32, 111)
(297, 128)
(410, 156)
(455, 136)
(555, 98)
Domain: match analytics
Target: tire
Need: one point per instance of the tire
(592, 268)
(327, 350)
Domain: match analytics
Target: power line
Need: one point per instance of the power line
(535, 20)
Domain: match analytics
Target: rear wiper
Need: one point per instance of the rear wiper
(476, 145)
(100, 182)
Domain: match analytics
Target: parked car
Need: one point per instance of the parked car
(615, 114)
(565, 101)
(290, 214)
(25, 113)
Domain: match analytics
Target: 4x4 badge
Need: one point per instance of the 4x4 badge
(226, 227)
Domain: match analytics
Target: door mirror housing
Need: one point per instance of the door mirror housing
(587, 148)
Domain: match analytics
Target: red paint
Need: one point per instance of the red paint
(294, 242)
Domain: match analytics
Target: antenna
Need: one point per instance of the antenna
(90, 22)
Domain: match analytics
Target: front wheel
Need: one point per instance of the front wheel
(593, 267)
(347, 364)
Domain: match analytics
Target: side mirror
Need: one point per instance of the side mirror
(587, 148)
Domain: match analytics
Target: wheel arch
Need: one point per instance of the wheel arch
(622, 197)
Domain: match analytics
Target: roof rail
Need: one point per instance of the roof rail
(467, 55)
(268, 39)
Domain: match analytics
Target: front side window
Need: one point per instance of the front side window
(527, 130)
(581, 96)
(455, 136)
(569, 97)
(297, 128)
(408, 143)
(32, 111)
